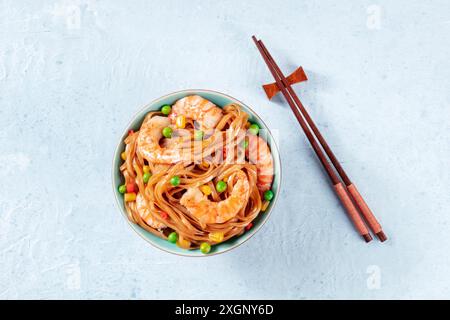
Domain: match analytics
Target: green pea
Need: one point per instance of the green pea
(268, 195)
(173, 237)
(198, 134)
(221, 186)
(167, 132)
(253, 129)
(166, 109)
(205, 247)
(245, 144)
(123, 189)
(146, 177)
(175, 181)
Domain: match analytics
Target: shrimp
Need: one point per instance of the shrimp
(258, 153)
(207, 211)
(145, 213)
(149, 147)
(204, 112)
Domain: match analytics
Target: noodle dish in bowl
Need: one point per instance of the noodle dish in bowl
(196, 173)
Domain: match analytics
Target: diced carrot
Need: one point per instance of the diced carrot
(130, 187)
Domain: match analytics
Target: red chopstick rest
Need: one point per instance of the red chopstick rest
(295, 77)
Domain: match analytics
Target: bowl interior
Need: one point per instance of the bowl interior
(220, 100)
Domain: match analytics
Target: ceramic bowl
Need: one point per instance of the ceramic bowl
(220, 100)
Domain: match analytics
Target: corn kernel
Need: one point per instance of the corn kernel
(123, 155)
(130, 197)
(180, 122)
(265, 205)
(183, 243)
(206, 189)
(146, 169)
(216, 236)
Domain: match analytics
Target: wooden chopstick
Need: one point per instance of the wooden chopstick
(354, 193)
(337, 184)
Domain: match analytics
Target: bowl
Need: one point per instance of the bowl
(220, 100)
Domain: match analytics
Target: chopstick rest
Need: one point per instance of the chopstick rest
(297, 76)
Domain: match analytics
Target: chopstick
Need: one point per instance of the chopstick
(354, 193)
(337, 184)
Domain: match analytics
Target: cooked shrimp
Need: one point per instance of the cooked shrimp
(149, 147)
(208, 211)
(145, 213)
(180, 137)
(204, 112)
(258, 153)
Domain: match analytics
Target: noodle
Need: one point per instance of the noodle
(207, 168)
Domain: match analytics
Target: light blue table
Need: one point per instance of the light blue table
(72, 73)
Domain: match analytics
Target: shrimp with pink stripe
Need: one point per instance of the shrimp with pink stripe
(203, 111)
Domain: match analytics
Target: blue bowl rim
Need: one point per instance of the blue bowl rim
(252, 231)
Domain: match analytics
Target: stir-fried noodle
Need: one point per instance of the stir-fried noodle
(199, 171)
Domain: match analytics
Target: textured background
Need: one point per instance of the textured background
(72, 73)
